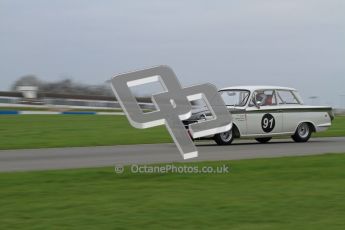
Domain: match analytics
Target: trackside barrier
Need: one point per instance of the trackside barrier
(8, 112)
(14, 112)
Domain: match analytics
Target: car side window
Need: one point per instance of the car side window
(286, 97)
(265, 97)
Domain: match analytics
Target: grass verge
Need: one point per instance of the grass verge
(282, 193)
(44, 131)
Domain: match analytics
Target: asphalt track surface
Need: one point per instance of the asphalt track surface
(84, 157)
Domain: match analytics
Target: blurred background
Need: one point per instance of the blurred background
(56, 58)
(64, 48)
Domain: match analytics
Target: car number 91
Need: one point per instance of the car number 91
(268, 123)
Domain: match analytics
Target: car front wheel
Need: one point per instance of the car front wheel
(224, 138)
(302, 133)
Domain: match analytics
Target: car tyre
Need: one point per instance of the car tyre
(225, 138)
(263, 139)
(303, 133)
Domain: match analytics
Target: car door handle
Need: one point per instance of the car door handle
(280, 110)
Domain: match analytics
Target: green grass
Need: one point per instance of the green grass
(41, 131)
(44, 131)
(282, 193)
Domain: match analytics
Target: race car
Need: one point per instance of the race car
(263, 112)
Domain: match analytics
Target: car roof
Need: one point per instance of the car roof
(257, 87)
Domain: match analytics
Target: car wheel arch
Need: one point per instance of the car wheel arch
(236, 132)
(310, 123)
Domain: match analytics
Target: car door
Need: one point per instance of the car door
(263, 114)
(289, 104)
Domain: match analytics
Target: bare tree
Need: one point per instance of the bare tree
(66, 86)
(27, 80)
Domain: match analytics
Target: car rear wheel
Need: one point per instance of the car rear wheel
(224, 138)
(263, 139)
(302, 133)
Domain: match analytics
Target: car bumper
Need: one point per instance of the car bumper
(322, 127)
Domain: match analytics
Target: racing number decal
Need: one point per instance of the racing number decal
(267, 123)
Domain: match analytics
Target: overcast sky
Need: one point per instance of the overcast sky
(296, 43)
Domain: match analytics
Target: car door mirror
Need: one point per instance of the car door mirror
(258, 104)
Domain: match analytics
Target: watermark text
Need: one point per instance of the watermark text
(172, 168)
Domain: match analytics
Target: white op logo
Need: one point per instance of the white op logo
(173, 105)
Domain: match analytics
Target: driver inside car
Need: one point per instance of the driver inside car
(260, 96)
